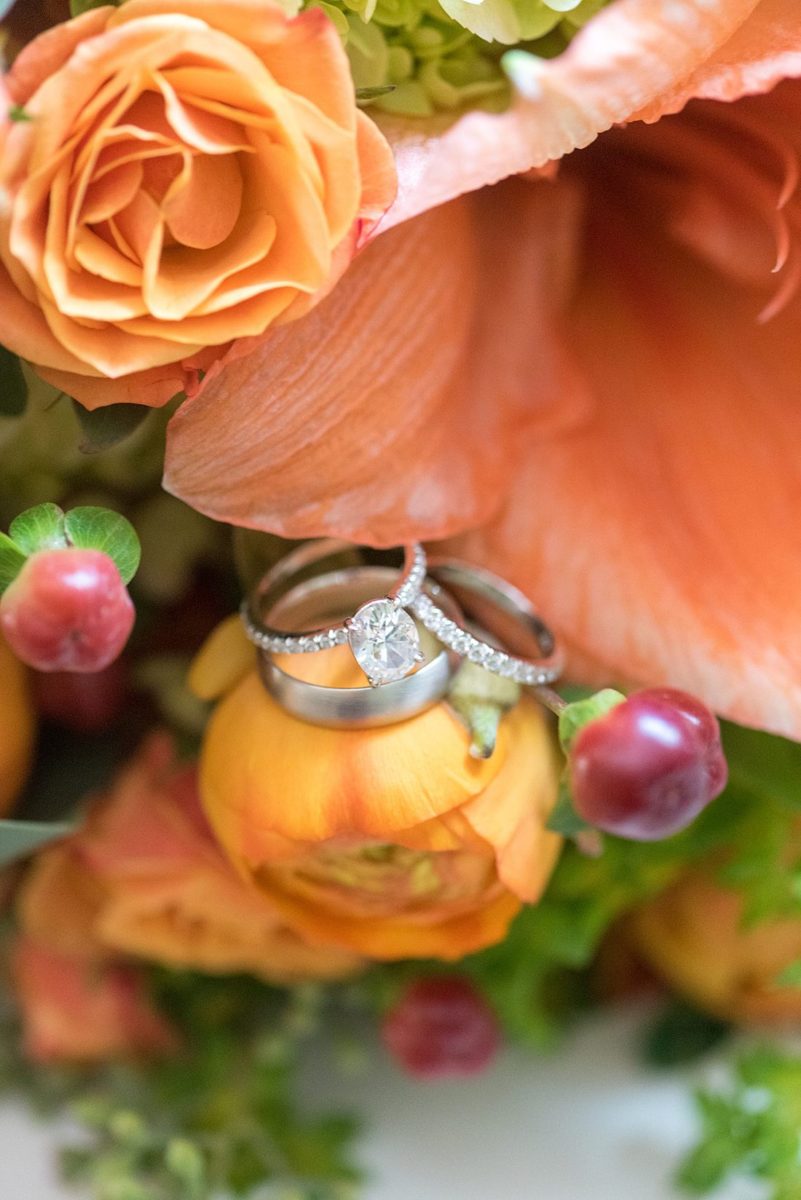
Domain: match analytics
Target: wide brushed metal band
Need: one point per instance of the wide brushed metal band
(359, 707)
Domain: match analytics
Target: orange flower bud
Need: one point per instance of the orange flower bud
(76, 1010)
(693, 935)
(144, 877)
(17, 725)
(389, 842)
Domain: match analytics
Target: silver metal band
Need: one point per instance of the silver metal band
(360, 707)
(501, 609)
(276, 639)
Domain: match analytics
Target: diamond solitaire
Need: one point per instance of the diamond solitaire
(384, 641)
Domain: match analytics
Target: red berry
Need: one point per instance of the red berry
(84, 703)
(67, 610)
(649, 766)
(440, 1027)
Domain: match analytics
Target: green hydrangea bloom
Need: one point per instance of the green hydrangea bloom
(434, 56)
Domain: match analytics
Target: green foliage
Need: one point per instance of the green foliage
(13, 388)
(751, 1128)
(103, 428)
(39, 528)
(99, 529)
(681, 1034)
(18, 839)
(12, 560)
(564, 819)
(480, 699)
(217, 1121)
(581, 712)
(414, 58)
(77, 7)
(47, 527)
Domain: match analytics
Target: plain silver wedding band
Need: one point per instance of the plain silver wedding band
(497, 607)
(359, 707)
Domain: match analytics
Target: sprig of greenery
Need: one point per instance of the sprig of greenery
(218, 1120)
(751, 1128)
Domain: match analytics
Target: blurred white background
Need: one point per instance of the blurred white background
(588, 1123)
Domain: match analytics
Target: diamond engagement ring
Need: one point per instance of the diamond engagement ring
(499, 608)
(382, 635)
(353, 707)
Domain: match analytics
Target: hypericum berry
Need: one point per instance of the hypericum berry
(440, 1027)
(649, 766)
(67, 610)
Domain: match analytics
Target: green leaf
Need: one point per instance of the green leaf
(564, 819)
(764, 764)
(18, 839)
(581, 712)
(372, 93)
(39, 528)
(681, 1034)
(77, 7)
(18, 113)
(13, 388)
(790, 977)
(12, 560)
(107, 427)
(100, 529)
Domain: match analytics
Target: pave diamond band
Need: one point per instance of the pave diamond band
(382, 635)
(492, 603)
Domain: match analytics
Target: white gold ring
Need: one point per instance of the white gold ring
(346, 707)
(503, 611)
(381, 634)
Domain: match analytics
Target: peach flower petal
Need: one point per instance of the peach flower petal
(165, 145)
(630, 53)
(363, 423)
(765, 49)
(344, 769)
(661, 535)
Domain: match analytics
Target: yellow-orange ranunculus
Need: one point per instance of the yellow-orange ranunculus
(693, 935)
(16, 727)
(392, 842)
(144, 877)
(75, 1009)
(192, 172)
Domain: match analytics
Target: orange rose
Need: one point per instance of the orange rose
(192, 173)
(16, 727)
(393, 842)
(77, 1010)
(145, 877)
(693, 936)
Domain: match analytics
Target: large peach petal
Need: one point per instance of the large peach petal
(662, 535)
(631, 53)
(365, 423)
(764, 50)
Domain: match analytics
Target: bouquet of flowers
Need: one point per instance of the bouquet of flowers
(398, 412)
